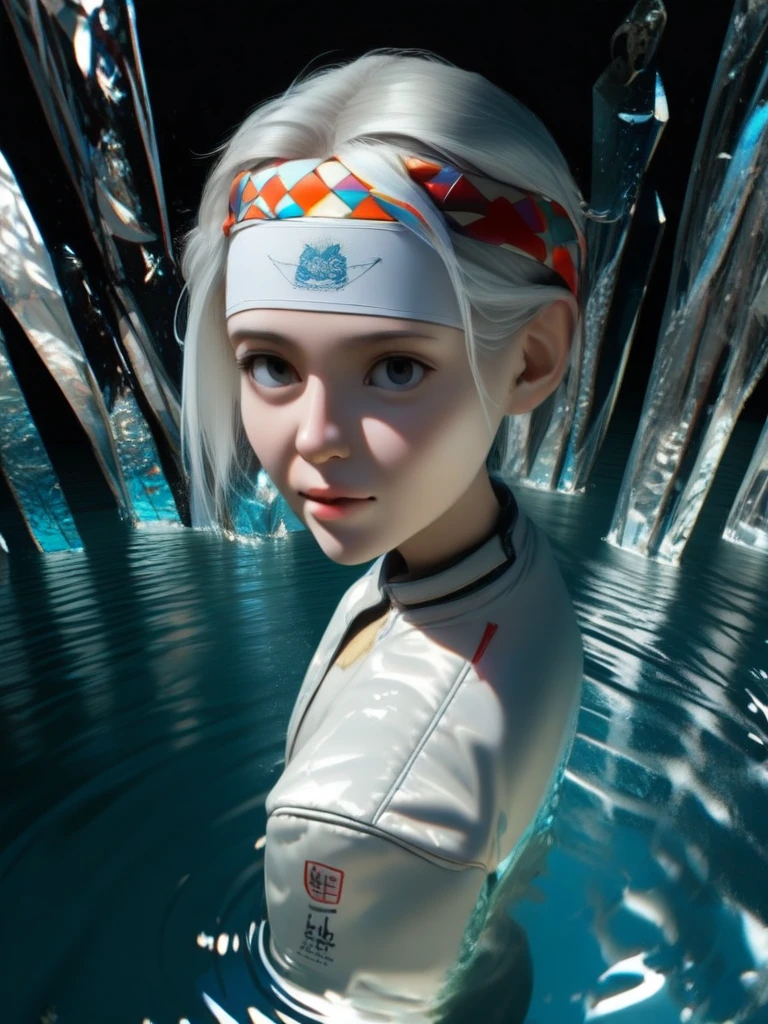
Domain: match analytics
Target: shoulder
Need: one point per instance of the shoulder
(454, 728)
(509, 668)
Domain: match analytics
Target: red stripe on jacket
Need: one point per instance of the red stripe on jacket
(490, 629)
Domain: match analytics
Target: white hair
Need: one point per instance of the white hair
(370, 112)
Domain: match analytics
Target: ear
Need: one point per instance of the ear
(541, 352)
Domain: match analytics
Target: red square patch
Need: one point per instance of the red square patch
(322, 882)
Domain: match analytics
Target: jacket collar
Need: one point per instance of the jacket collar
(475, 568)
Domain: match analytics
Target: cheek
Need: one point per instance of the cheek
(389, 443)
(249, 417)
(452, 426)
(262, 428)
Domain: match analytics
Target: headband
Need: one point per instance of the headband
(472, 205)
(383, 267)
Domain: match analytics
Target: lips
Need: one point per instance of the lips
(330, 497)
(336, 501)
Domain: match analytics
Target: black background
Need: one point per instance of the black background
(207, 64)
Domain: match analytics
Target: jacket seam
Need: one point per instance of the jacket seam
(354, 825)
(431, 726)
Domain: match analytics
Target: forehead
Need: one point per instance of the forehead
(333, 328)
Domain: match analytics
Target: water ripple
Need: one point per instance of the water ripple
(145, 690)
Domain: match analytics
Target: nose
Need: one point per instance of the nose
(319, 434)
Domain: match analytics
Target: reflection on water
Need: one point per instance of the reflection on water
(145, 689)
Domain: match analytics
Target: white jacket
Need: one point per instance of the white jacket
(424, 771)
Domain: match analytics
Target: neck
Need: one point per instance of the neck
(467, 524)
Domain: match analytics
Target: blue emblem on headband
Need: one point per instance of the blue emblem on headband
(323, 269)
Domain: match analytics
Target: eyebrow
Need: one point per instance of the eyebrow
(373, 338)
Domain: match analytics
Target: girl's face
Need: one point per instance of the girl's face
(382, 410)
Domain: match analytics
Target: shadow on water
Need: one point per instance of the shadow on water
(146, 686)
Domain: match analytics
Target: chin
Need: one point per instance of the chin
(352, 557)
(348, 555)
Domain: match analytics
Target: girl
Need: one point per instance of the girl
(385, 267)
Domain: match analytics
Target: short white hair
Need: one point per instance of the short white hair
(370, 112)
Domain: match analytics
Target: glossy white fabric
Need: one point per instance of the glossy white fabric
(338, 266)
(425, 772)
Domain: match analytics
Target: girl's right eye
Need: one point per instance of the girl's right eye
(266, 370)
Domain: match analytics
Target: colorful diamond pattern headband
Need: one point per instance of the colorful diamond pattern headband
(472, 205)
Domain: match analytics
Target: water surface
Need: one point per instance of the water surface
(145, 690)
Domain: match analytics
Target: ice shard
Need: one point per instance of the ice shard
(713, 343)
(156, 493)
(28, 470)
(96, 383)
(747, 522)
(85, 63)
(258, 509)
(624, 228)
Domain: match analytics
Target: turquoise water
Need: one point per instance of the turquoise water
(145, 689)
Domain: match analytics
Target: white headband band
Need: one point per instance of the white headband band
(339, 266)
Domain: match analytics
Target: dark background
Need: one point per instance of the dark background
(208, 63)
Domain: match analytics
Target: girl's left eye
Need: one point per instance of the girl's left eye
(401, 373)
